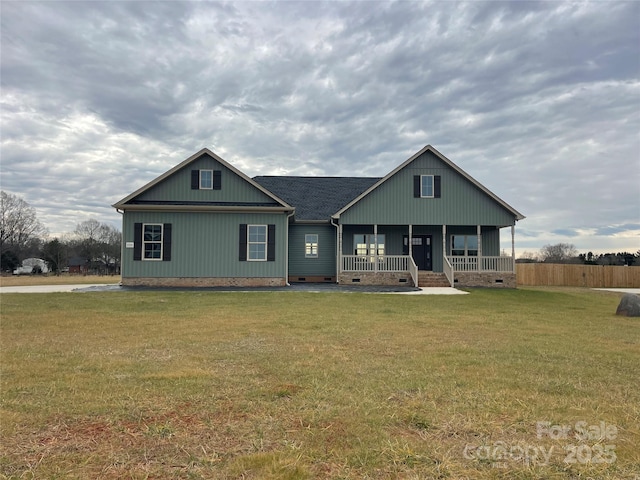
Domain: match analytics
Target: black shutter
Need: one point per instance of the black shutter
(137, 241)
(271, 243)
(437, 186)
(217, 180)
(166, 242)
(416, 186)
(195, 179)
(242, 243)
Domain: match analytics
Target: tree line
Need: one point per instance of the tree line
(567, 253)
(93, 247)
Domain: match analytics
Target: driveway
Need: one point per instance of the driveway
(295, 287)
(55, 288)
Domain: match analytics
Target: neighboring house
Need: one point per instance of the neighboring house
(78, 265)
(205, 223)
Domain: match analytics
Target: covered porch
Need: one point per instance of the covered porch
(392, 254)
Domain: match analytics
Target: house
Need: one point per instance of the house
(206, 223)
(78, 265)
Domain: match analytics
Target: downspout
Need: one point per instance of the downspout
(121, 212)
(513, 246)
(286, 248)
(338, 247)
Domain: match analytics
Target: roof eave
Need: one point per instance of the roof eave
(201, 208)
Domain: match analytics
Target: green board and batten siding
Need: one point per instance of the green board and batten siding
(461, 202)
(178, 186)
(204, 244)
(325, 263)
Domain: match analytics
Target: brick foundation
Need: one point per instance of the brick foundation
(311, 279)
(485, 279)
(376, 278)
(203, 282)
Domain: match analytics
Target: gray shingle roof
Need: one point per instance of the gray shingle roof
(316, 198)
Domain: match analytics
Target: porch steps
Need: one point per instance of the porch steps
(432, 279)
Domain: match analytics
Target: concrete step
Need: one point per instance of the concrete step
(432, 279)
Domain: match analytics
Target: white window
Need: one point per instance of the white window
(311, 245)
(152, 241)
(426, 186)
(206, 179)
(464, 245)
(369, 244)
(257, 243)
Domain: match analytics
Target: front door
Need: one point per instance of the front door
(420, 250)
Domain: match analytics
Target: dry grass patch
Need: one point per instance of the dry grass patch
(293, 385)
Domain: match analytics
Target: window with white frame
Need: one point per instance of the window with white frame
(426, 186)
(152, 241)
(464, 245)
(206, 179)
(311, 245)
(368, 244)
(257, 242)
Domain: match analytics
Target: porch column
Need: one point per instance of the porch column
(513, 247)
(409, 240)
(375, 235)
(479, 234)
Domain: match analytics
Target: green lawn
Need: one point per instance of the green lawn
(319, 385)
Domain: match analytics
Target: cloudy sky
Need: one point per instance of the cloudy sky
(540, 102)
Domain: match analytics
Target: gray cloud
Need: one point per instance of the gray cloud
(539, 101)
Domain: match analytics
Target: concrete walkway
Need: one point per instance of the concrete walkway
(620, 290)
(296, 287)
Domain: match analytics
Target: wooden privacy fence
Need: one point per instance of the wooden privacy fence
(592, 276)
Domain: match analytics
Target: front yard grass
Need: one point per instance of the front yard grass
(274, 385)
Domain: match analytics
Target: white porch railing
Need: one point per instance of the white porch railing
(404, 263)
(413, 270)
(482, 264)
(447, 269)
(375, 263)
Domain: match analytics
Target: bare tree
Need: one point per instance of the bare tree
(55, 253)
(527, 257)
(19, 225)
(111, 240)
(558, 253)
(88, 233)
(99, 242)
